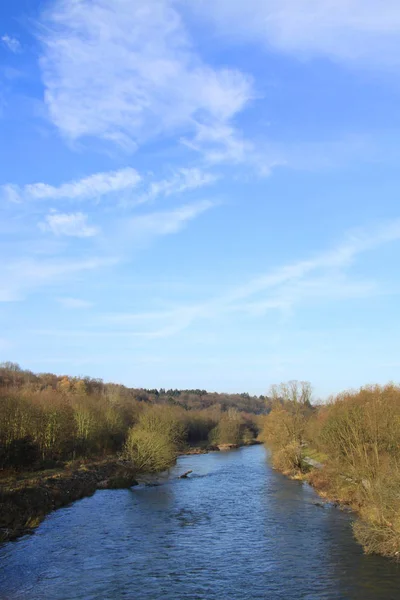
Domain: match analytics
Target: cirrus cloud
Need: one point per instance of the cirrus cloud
(93, 186)
(11, 43)
(126, 72)
(70, 224)
(355, 31)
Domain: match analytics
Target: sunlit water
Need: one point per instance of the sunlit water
(234, 530)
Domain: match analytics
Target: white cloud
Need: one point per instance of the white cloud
(11, 193)
(183, 180)
(126, 71)
(11, 43)
(340, 258)
(365, 31)
(310, 289)
(92, 187)
(219, 143)
(145, 227)
(74, 303)
(223, 144)
(70, 224)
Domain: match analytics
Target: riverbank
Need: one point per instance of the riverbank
(26, 499)
(358, 433)
(349, 494)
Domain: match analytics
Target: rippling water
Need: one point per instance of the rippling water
(234, 530)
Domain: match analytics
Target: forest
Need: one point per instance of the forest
(47, 420)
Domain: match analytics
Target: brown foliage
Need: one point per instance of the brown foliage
(359, 433)
(46, 418)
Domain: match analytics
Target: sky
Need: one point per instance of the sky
(201, 194)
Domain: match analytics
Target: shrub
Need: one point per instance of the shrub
(288, 459)
(377, 538)
(228, 430)
(150, 451)
(359, 434)
(165, 421)
(248, 435)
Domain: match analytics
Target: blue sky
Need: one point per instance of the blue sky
(198, 194)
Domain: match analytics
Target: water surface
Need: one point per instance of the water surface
(234, 530)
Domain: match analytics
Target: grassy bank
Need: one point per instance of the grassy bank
(356, 438)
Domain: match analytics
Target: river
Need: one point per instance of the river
(234, 530)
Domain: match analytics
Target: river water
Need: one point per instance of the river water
(234, 530)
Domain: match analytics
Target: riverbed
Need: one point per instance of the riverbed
(234, 529)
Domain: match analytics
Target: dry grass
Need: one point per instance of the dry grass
(377, 538)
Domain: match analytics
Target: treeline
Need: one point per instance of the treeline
(198, 399)
(12, 377)
(356, 439)
(46, 420)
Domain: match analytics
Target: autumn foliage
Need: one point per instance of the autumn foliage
(356, 436)
(46, 419)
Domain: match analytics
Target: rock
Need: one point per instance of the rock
(312, 463)
(185, 475)
(224, 447)
(366, 484)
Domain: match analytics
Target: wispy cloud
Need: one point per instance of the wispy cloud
(323, 277)
(20, 276)
(333, 261)
(93, 187)
(122, 238)
(145, 227)
(219, 144)
(223, 144)
(70, 224)
(181, 181)
(11, 43)
(75, 303)
(359, 31)
(149, 81)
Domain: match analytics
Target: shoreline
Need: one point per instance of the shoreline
(306, 477)
(26, 499)
(319, 480)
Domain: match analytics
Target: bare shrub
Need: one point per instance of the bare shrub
(150, 451)
(288, 459)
